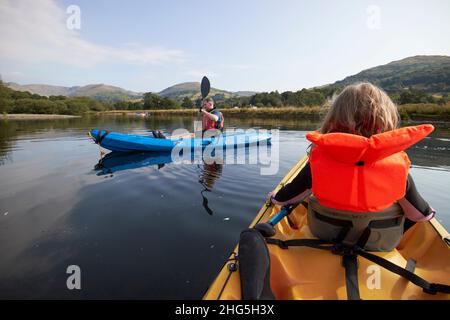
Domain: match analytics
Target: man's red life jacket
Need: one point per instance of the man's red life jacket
(208, 124)
(359, 174)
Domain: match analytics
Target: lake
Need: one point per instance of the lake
(139, 226)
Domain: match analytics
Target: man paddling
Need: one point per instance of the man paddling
(212, 118)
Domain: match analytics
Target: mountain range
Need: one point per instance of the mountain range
(101, 92)
(107, 93)
(430, 74)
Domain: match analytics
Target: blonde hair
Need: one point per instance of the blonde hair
(361, 109)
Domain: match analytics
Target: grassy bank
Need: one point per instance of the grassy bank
(425, 111)
(407, 112)
(264, 110)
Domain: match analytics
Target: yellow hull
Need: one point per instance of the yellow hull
(306, 273)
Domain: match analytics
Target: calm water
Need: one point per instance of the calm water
(138, 226)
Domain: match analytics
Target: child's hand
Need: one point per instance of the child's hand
(270, 195)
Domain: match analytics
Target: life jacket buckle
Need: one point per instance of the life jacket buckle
(343, 250)
(338, 249)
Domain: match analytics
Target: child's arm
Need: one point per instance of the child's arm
(413, 205)
(296, 190)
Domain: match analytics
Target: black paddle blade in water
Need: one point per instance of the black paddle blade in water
(204, 87)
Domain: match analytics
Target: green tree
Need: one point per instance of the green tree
(413, 96)
(151, 101)
(121, 105)
(187, 103)
(310, 97)
(289, 98)
(138, 105)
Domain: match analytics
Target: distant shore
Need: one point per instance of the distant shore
(29, 116)
(266, 111)
(408, 112)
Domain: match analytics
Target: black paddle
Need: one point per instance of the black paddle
(204, 89)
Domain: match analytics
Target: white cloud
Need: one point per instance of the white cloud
(35, 31)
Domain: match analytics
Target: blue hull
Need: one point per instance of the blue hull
(116, 141)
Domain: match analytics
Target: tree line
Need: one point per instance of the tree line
(417, 96)
(319, 96)
(12, 101)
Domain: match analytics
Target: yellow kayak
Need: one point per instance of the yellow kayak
(303, 273)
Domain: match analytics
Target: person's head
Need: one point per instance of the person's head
(361, 109)
(208, 103)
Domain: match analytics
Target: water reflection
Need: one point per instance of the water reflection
(112, 162)
(120, 161)
(208, 175)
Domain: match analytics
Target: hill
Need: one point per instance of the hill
(101, 92)
(192, 91)
(41, 89)
(14, 101)
(430, 74)
(107, 93)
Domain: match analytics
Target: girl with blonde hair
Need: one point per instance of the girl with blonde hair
(356, 162)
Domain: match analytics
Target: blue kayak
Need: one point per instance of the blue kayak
(116, 141)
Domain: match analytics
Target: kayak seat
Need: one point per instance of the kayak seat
(254, 266)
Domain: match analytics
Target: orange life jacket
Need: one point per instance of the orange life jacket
(359, 174)
(208, 124)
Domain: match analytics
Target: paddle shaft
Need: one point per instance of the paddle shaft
(285, 211)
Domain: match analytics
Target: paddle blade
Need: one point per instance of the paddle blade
(204, 87)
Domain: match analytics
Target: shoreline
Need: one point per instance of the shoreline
(307, 112)
(312, 113)
(408, 113)
(29, 116)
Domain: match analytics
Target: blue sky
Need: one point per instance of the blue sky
(241, 45)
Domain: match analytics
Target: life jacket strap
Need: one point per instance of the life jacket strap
(430, 288)
(350, 263)
(349, 259)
